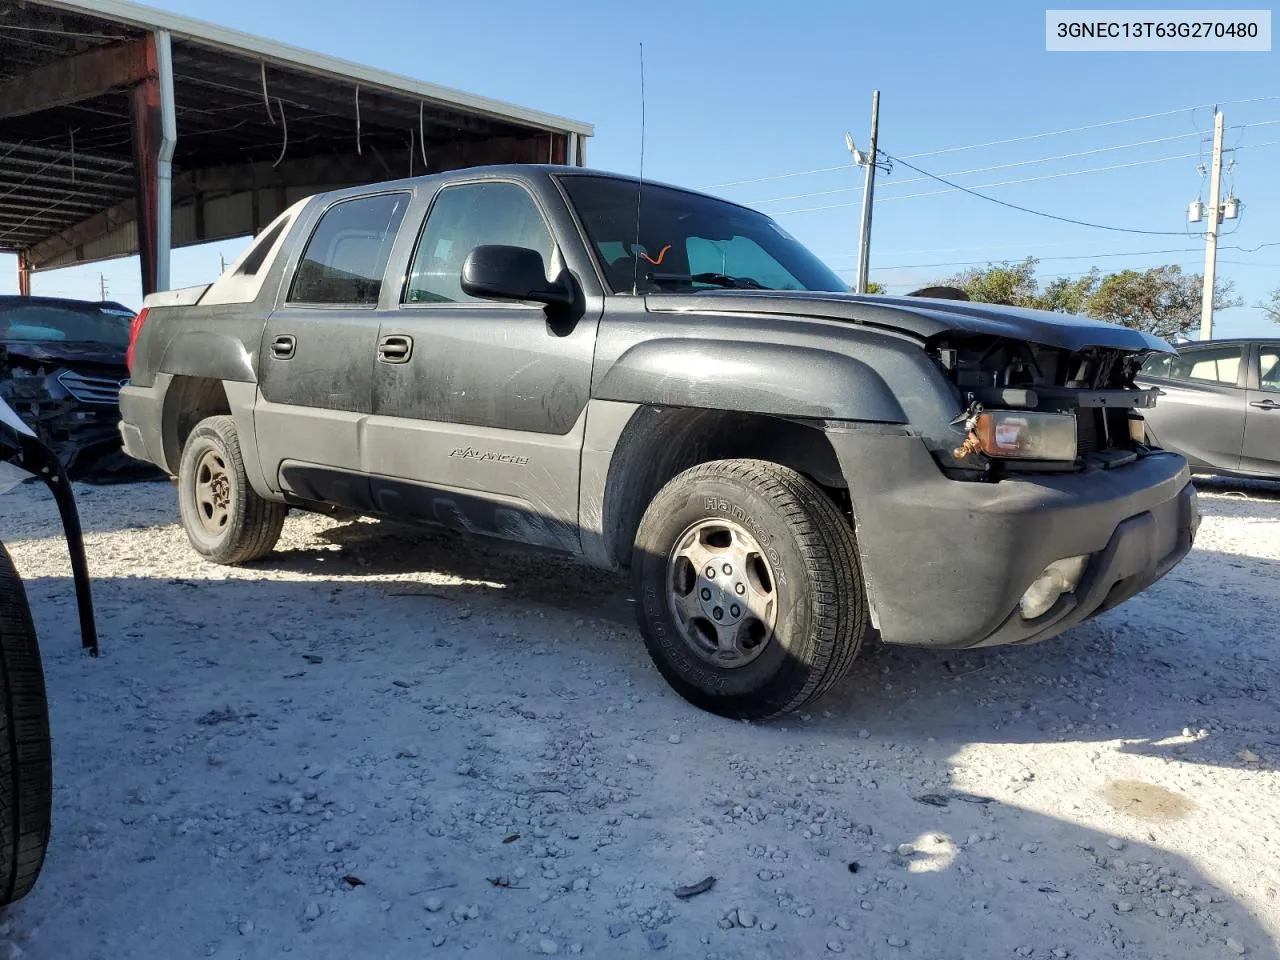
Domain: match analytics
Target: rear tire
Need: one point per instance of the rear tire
(26, 763)
(748, 588)
(225, 519)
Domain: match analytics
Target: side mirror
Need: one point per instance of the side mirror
(498, 272)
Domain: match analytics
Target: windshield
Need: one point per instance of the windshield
(69, 322)
(689, 242)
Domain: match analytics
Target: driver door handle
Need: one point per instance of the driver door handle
(396, 348)
(283, 347)
(1265, 404)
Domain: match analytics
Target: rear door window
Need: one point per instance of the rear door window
(347, 254)
(1220, 365)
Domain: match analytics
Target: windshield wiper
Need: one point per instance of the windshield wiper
(716, 279)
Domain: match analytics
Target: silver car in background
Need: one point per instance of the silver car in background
(1219, 406)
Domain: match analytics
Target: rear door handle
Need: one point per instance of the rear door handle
(1265, 404)
(396, 348)
(283, 347)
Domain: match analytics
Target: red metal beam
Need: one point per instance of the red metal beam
(144, 99)
(24, 274)
(77, 78)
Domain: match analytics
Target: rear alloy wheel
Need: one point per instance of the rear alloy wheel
(225, 519)
(748, 588)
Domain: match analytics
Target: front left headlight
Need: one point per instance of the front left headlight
(1022, 435)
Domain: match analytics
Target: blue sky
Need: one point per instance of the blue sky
(753, 89)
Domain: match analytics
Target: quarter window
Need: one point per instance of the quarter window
(1219, 365)
(348, 252)
(462, 218)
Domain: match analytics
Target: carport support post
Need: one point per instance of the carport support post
(154, 136)
(24, 274)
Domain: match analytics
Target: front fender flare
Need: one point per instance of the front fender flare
(779, 379)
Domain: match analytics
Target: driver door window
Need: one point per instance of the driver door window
(462, 218)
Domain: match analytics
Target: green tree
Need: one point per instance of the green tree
(872, 287)
(1271, 307)
(1162, 301)
(1011, 284)
(1071, 296)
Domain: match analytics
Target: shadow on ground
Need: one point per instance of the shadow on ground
(337, 668)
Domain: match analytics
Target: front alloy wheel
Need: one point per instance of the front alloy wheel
(748, 588)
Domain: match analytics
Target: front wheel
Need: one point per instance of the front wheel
(225, 519)
(26, 765)
(748, 588)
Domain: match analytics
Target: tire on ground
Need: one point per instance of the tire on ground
(26, 768)
(250, 525)
(821, 615)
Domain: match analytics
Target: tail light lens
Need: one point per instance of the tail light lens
(135, 328)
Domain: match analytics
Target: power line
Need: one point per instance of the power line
(1089, 126)
(998, 183)
(998, 166)
(1007, 140)
(1024, 163)
(1038, 213)
(1079, 256)
(1074, 256)
(1014, 206)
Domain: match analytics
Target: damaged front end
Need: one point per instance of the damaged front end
(24, 456)
(1033, 408)
(74, 411)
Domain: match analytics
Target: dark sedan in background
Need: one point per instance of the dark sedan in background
(1219, 406)
(61, 366)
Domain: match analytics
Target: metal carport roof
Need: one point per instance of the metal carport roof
(89, 89)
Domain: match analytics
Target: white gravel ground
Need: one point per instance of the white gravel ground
(388, 744)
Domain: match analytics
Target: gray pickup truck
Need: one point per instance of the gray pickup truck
(655, 379)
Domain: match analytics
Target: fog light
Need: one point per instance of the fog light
(1059, 577)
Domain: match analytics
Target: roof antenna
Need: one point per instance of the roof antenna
(635, 256)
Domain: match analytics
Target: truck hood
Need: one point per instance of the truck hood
(919, 316)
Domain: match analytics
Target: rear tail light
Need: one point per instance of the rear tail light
(135, 328)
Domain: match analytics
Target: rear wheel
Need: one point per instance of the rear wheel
(225, 519)
(26, 766)
(748, 588)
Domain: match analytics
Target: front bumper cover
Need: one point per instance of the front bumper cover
(946, 561)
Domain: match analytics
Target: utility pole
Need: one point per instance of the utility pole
(868, 193)
(222, 264)
(1211, 230)
(102, 286)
